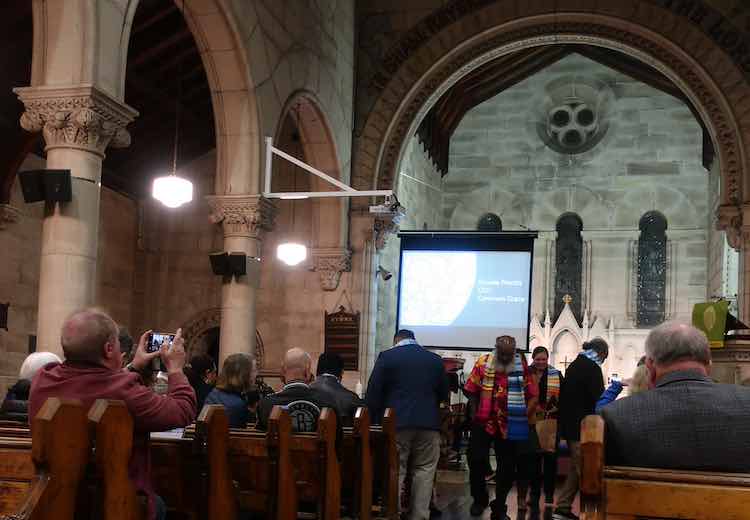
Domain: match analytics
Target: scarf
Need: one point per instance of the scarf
(549, 392)
(518, 423)
(592, 355)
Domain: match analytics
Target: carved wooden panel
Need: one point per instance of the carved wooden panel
(342, 336)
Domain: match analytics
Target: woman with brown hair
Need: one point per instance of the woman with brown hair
(236, 379)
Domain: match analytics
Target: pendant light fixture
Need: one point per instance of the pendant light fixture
(292, 252)
(171, 190)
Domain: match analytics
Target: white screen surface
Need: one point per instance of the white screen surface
(465, 298)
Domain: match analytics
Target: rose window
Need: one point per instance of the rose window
(572, 125)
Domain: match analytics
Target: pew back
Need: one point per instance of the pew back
(625, 493)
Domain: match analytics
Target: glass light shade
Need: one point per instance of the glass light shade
(291, 253)
(172, 191)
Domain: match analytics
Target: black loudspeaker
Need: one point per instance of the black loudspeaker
(4, 315)
(219, 263)
(46, 185)
(228, 264)
(238, 264)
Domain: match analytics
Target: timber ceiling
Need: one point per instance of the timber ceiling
(494, 77)
(164, 64)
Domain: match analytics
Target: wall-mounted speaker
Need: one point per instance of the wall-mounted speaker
(4, 315)
(46, 185)
(228, 264)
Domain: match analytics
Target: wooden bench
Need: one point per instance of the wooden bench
(628, 493)
(356, 467)
(40, 475)
(385, 471)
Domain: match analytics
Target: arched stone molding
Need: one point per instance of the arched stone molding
(215, 29)
(461, 36)
(195, 328)
(330, 253)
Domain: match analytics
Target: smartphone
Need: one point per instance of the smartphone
(156, 339)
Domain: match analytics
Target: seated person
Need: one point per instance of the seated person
(15, 407)
(303, 402)
(234, 383)
(687, 421)
(93, 370)
(201, 372)
(328, 381)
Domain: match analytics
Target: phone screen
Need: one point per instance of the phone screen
(156, 339)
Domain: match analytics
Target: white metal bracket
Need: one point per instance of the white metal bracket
(347, 191)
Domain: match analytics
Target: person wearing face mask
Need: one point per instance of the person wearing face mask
(504, 396)
(549, 380)
(581, 388)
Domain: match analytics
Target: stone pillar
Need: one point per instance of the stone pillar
(735, 221)
(78, 123)
(244, 218)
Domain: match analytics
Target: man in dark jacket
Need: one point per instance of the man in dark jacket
(328, 381)
(581, 388)
(687, 421)
(412, 380)
(303, 402)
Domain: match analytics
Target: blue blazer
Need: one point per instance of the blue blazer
(411, 380)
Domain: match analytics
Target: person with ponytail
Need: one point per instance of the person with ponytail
(549, 380)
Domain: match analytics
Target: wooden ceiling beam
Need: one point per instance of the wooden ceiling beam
(156, 17)
(153, 52)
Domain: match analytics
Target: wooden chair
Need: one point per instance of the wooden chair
(627, 493)
(40, 476)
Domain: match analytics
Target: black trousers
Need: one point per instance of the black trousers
(544, 471)
(515, 461)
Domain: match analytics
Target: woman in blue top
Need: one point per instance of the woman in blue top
(235, 381)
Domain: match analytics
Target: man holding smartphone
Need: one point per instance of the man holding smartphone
(93, 370)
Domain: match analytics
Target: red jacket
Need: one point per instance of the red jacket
(151, 412)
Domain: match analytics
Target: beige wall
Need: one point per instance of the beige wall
(19, 269)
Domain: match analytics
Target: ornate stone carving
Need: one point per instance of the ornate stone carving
(386, 224)
(729, 219)
(8, 214)
(242, 215)
(81, 117)
(329, 263)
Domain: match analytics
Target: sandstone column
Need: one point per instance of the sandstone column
(244, 218)
(78, 123)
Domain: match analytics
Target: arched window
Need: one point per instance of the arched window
(569, 264)
(652, 269)
(489, 222)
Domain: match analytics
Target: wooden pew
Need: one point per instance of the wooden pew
(248, 469)
(627, 493)
(356, 467)
(385, 471)
(116, 497)
(40, 476)
(178, 473)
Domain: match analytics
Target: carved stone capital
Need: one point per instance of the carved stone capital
(329, 263)
(729, 219)
(242, 215)
(8, 214)
(386, 224)
(80, 117)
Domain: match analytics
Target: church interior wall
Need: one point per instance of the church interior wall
(419, 189)
(19, 276)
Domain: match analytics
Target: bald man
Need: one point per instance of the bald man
(93, 370)
(303, 402)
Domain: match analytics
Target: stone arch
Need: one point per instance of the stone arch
(461, 36)
(319, 148)
(198, 325)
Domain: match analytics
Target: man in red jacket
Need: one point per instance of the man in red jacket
(93, 370)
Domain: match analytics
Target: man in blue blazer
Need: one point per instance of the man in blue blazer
(412, 380)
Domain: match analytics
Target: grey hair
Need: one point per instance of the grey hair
(34, 362)
(672, 342)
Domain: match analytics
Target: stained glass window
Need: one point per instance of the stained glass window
(569, 264)
(652, 269)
